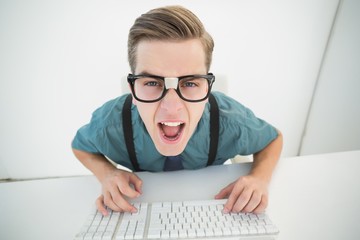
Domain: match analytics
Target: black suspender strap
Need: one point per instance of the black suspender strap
(214, 129)
(128, 131)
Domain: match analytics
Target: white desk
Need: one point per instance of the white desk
(311, 197)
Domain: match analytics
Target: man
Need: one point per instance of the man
(170, 55)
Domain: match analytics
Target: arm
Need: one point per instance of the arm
(116, 183)
(250, 193)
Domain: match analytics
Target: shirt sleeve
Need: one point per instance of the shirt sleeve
(256, 134)
(92, 136)
(241, 131)
(85, 139)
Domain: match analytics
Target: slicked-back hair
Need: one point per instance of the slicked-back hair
(171, 23)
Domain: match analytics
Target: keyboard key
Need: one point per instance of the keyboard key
(191, 232)
(209, 232)
(200, 232)
(226, 231)
(182, 233)
(107, 235)
(252, 230)
(165, 234)
(218, 232)
(98, 236)
(154, 234)
(174, 233)
(235, 230)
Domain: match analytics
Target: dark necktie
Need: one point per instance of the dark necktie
(173, 163)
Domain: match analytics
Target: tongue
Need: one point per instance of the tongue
(171, 131)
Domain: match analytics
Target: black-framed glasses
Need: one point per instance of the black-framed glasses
(151, 88)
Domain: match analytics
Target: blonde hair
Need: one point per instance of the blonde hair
(171, 23)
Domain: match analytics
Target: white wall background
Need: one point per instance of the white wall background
(335, 112)
(59, 60)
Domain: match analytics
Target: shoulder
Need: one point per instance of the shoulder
(229, 107)
(232, 114)
(241, 131)
(235, 117)
(110, 112)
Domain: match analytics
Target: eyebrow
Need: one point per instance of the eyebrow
(146, 73)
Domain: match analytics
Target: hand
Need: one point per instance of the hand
(116, 186)
(247, 194)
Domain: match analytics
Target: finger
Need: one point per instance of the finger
(137, 182)
(242, 200)
(224, 193)
(262, 206)
(108, 200)
(121, 204)
(254, 201)
(233, 198)
(127, 190)
(100, 205)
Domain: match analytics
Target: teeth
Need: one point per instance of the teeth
(171, 124)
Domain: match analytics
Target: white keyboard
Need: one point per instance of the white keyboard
(178, 220)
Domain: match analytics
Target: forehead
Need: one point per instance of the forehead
(170, 58)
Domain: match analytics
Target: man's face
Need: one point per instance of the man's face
(170, 121)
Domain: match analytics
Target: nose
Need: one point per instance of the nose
(171, 101)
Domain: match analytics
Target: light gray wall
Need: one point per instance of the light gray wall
(62, 59)
(334, 120)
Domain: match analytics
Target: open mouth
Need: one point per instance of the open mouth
(171, 131)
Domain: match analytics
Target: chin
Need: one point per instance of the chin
(170, 150)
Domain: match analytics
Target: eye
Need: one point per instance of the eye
(189, 83)
(151, 82)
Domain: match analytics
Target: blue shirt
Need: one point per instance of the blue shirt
(241, 132)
